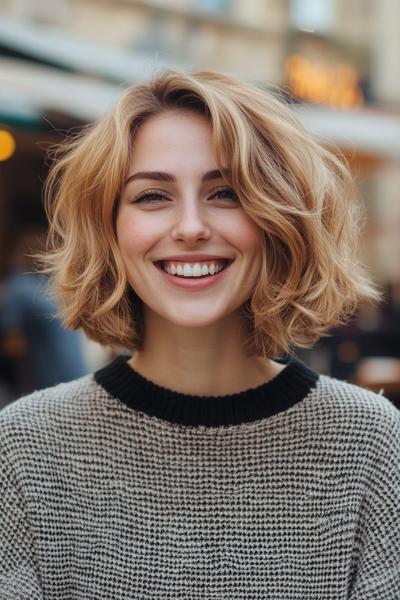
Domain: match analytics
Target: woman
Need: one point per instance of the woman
(200, 227)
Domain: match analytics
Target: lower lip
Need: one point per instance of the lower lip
(189, 283)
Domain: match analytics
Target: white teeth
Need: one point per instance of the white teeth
(190, 271)
(193, 269)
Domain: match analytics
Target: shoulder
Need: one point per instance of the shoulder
(351, 399)
(354, 410)
(43, 413)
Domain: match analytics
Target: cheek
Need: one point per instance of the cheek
(136, 233)
(248, 235)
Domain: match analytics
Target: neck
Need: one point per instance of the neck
(203, 361)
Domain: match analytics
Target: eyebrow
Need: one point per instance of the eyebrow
(162, 176)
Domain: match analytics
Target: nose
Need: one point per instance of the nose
(191, 223)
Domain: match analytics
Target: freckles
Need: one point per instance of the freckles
(249, 234)
(137, 232)
(135, 238)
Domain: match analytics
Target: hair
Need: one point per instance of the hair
(299, 193)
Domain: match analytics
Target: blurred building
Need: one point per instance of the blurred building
(246, 38)
(344, 64)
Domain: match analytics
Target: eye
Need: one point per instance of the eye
(150, 197)
(155, 197)
(226, 193)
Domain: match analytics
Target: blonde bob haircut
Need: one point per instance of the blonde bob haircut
(300, 194)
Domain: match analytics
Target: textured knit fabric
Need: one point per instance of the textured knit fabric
(112, 487)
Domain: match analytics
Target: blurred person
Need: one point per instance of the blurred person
(32, 339)
(200, 227)
(7, 379)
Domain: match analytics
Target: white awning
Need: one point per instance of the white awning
(367, 130)
(29, 86)
(58, 48)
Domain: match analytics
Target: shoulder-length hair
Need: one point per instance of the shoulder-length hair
(300, 194)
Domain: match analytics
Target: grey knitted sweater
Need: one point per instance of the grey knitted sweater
(112, 487)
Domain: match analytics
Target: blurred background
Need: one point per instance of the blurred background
(63, 63)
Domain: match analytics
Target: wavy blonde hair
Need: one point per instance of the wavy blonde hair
(300, 194)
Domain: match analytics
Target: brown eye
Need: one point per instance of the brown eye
(150, 197)
(224, 194)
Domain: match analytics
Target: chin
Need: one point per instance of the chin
(192, 320)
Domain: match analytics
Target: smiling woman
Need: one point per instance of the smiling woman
(199, 226)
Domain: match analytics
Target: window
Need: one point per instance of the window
(312, 14)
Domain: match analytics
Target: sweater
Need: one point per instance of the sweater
(113, 487)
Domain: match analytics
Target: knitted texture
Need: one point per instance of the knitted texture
(101, 501)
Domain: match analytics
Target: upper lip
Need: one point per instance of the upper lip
(194, 258)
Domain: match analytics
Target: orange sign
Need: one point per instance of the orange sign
(7, 144)
(319, 82)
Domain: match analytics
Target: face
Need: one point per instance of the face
(176, 202)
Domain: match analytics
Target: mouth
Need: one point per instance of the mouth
(225, 263)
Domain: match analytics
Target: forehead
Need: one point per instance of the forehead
(171, 136)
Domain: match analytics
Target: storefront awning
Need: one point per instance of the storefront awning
(54, 47)
(36, 89)
(369, 130)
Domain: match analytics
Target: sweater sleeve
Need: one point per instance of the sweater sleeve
(19, 579)
(377, 563)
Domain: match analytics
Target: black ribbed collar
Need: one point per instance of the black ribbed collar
(287, 388)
